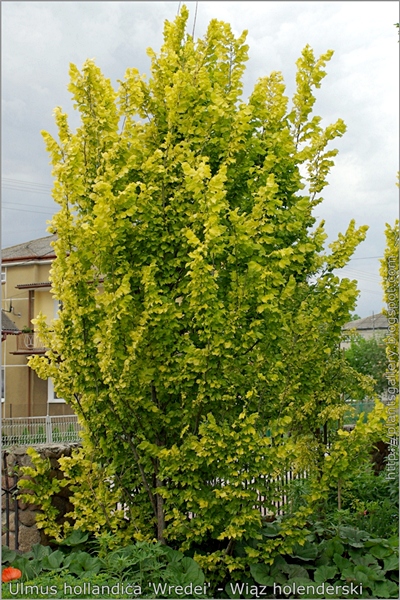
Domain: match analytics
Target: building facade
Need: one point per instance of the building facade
(372, 327)
(26, 292)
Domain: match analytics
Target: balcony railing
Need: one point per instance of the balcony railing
(30, 431)
(29, 343)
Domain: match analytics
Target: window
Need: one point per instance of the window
(56, 308)
(3, 384)
(52, 397)
(3, 277)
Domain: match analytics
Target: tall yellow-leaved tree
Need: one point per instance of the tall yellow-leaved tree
(201, 316)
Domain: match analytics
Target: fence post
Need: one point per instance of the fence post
(49, 430)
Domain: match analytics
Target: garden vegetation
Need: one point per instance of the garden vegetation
(199, 334)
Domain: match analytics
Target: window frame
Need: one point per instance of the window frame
(51, 394)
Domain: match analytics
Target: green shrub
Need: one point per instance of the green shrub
(340, 558)
(61, 585)
(337, 556)
(369, 502)
(145, 570)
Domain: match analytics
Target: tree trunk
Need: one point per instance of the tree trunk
(160, 514)
(159, 499)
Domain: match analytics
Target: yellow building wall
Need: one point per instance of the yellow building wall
(45, 304)
(26, 394)
(15, 367)
(16, 390)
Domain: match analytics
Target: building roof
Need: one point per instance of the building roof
(7, 326)
(35, 249)
(378, 321)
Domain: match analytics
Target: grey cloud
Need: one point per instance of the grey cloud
(40, 39)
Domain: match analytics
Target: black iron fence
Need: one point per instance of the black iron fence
(9, 507)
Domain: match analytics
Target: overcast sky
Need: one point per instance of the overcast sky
(40, 39)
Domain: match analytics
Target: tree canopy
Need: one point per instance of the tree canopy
(369, 357)
(198, 339)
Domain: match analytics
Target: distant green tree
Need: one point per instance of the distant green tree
(369, 358)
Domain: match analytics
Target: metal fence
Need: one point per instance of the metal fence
(365, 407)
(29, 431)
(9, 507)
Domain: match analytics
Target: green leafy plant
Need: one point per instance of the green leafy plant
(63, 585)
(336, 558)
(43, 558)
(27, 329)
(38, 485)
(339, 557)
(152, 568)
(368, 501)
